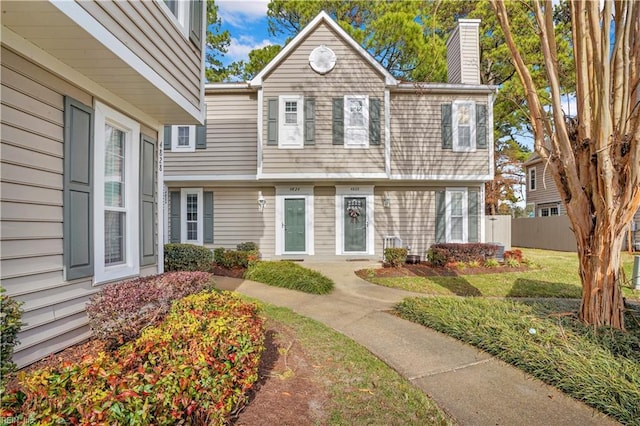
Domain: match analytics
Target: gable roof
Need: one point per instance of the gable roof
(322, 17)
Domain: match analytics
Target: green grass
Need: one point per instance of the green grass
(363, 390)
(601, 368)
(289, 275)
(555, 274)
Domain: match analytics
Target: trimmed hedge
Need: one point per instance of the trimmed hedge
(395, 257)
(10, 324)
(193, 368)
(289, 275)
(186, 257)
(442, 253)
(235, 258)
(121, 310)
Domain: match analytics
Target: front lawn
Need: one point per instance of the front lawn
(555, 274)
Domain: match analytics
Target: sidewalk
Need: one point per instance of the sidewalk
(472, 386)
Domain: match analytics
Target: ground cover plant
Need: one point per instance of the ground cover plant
(552, 274)
(195, 367)
(289, 275)
(600, 367)
(10, 324)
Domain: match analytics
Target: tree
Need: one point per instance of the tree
(216, 44)
(258, 59)
(594, 158)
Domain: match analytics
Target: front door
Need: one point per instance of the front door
(355, 224)
(294, 225)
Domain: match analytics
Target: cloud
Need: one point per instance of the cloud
(238, 13)
(240, 47)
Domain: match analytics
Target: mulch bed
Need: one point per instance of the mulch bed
(425, 269)
(221, 271)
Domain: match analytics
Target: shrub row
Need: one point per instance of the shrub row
(290, 275)
(10, 324)
(186, 257)
(442, 253)
(395, 257)
(235, 258)
(193, 368)
(121, 310)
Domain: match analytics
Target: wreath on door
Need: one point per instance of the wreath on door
(354, 213)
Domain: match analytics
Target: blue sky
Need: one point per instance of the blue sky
(246, 21)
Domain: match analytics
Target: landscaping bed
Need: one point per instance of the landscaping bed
(425, 269)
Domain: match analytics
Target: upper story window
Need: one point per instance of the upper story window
(183, 138)
(356, 120)
(464, 129)
(291, 113)
(532, 179)
(291, 129)
(188, 16)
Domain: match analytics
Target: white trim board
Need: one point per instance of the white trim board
(208, 178)
(308, 176)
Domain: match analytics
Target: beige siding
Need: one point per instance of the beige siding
(416, 142)
(149, 33)
(453, 58)
(325, 220)
(351, 75)
(31, 197)
(231, 140)
(546, 192)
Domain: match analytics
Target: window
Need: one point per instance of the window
(180, 9)
(116, 200)
(457, 214)
(532, 179)
(291, 129)
(464, 126)
(356, 121)
(191, 212)
(183, 138)
(549, 211)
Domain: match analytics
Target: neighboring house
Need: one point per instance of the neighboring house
(87, 87)
(326, 154)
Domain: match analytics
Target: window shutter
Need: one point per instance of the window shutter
(195, 23)
(481, 126)
(272, 121)
(441, 220)
(207, 223)
(309, 121)
(78, 190)
(473, 215)
(201, 136)
(374, 121)
(148, 204)
(338, 121)
(167, 138)
(174, 216)
(447, 135)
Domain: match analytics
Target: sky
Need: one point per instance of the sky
(246, 21)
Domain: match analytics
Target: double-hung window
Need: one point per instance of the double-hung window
(532, 179)
(192, 214)
(356, 121)
(464, 126)
(291, 119)
(183, 138)
(116, 201)
(457, 213)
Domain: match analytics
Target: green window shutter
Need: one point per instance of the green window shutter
(207, 217)
(374, 121)
(78, 190)
(174, 216)
(481, 126)
(447, 135)
(167, 138)
(441, 220)
(148, 203)
(272, 121)
(201, 136)
(473, 216)
(195, 23)
(338, 121)
(309, 121)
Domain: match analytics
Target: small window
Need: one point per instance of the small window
(291, 113)
(464, 126)
(532, 179)
(192, 214)
(553, 211)
(544, 212)
(356, 121)
(183, 138)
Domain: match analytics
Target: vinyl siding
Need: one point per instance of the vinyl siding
(351, 75)
(31, 197)
(325, 220)
(231, 140)
(546, 192)
(416, 145)
(462, 55)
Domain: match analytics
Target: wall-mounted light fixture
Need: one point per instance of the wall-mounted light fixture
(386, 200)
(261, 202)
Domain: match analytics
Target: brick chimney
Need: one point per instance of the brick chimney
(463, 53)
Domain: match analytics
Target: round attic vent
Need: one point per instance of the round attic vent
(322, 59)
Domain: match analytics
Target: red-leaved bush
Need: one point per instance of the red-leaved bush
(121, 310)
(515, 254)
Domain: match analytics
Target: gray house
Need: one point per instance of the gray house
(325, 154)
(87, 87)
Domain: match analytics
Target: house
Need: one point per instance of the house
(87, 87)
(326, 155)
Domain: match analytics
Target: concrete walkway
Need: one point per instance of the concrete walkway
(470, 385)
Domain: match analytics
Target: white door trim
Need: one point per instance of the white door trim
(304, 192)
(354, 190)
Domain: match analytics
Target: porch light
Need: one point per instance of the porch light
(261, 202)
(386, 200)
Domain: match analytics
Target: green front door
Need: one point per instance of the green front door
(294, 225)
(355, 224)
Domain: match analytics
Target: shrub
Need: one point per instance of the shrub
(513, 254)
(235, 258)
(247, 246)
(395, 257)
(193, 368)
(491, 263)
(10, 324)
(443, 253)
(474, 264)
(186, 257)
(512, 262)
(121, 310)
(289, 275)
